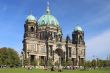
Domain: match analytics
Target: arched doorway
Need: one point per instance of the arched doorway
(60, 53)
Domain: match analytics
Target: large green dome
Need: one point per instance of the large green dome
(48, 20)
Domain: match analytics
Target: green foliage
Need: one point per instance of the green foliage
(42, 62)
(88, 64)
(93, 63)
(69, 62)
(50, 62)
(9, 57)
(34, 62)
(26, 62)
(64, 63)
(97, 63)
(81, 63)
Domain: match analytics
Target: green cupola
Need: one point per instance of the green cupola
(78, 28)
(48, 19)
(30, 18)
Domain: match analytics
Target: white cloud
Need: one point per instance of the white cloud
(99, 46)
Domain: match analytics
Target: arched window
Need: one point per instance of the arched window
(32, 29)
(54, 34)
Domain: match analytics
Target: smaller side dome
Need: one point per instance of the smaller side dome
(78, 28)
(30, 18)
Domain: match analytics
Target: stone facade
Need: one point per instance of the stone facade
(41, 43)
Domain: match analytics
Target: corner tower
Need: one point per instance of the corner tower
(78, 41)
(78, 35)
(30, 37)
(30, 27)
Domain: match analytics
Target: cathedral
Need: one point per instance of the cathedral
(43, 41)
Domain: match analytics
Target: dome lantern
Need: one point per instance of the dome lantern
(48, 8)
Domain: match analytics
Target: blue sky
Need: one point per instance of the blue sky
(92, 15)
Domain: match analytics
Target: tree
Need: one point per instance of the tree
(26, 62)
(42, 62)
(63, 63)
(34, 62)
(50, 62)
(69, 62)
(93, 63)
(9, 57)
(87, 64)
